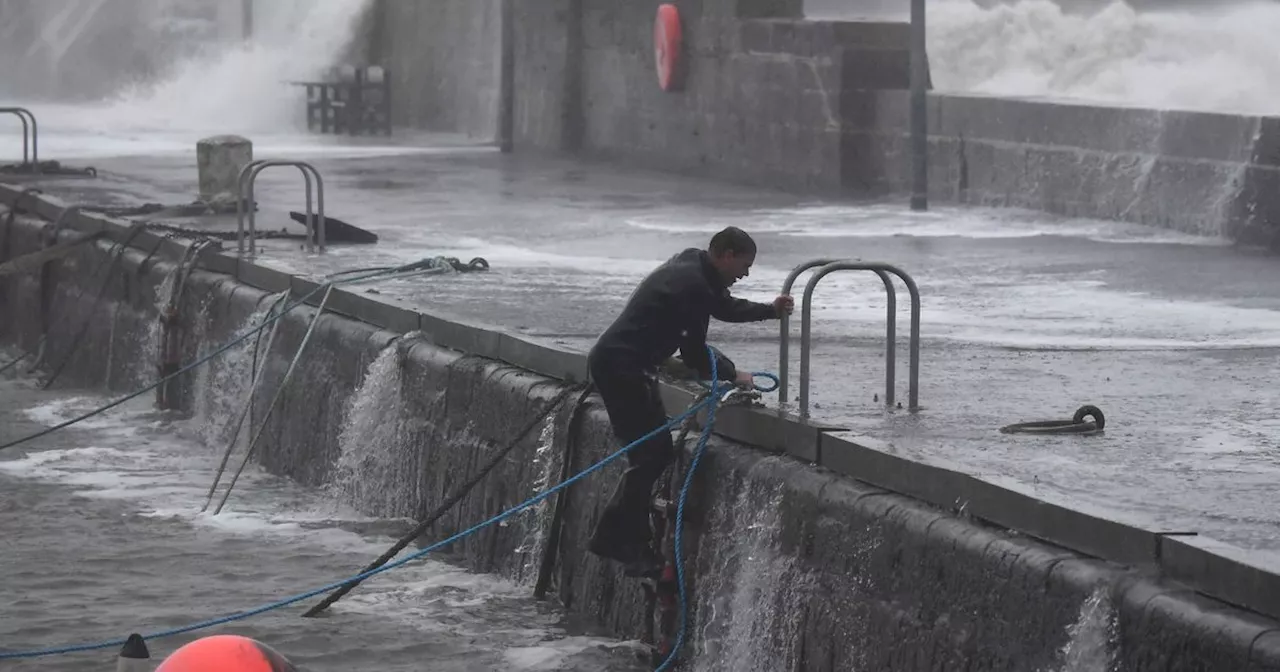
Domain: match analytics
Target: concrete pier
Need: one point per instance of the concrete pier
(882, 570)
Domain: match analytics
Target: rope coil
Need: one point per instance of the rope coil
(1076, 425)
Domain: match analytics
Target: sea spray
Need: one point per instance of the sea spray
(376, 471)
(223, 383)
(1092, 638)
(750, 593)
(536, 519)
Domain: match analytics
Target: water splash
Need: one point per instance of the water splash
(222, 384)
(1218, 57)
(142, 354)
(193, 83)
(244, 87)
(750, 593)
(1092, 638)
(376, 472)
(535, 519)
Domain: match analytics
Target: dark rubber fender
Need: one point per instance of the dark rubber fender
(1076, 425)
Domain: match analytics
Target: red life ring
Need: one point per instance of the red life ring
(666, 44)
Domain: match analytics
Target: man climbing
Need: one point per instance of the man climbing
(670, 310)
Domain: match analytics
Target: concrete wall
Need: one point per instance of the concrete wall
(794, 566)
(1203, 173)
(443, 59)
(779, 101)
(759, 99)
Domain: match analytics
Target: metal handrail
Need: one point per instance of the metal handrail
(23, 115)
(784, 335)
(913, 391)
(891, 331)
(245, 192)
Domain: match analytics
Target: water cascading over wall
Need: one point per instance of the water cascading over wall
(790, 565)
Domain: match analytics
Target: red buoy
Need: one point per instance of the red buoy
(666, 45)
(226, 653)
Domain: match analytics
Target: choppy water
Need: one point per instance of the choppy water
(104, 537)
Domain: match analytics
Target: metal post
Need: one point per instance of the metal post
(919, 110)
(506, 78)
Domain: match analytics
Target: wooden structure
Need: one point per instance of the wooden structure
(352, 100)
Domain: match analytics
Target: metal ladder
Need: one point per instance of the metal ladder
(827, 267)
(29, 126)
(245, 195)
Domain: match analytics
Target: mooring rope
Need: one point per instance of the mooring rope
(710, 403)
(275, 399)
(449, 501)
(255, 380)
(215, 353)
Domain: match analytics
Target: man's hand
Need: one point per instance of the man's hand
(745, 380)
(784, 305)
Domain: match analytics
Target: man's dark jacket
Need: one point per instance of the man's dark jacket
(671, 310)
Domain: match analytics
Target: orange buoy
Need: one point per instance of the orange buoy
(666, 45)
(226, 653)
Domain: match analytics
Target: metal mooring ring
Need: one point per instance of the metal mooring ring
(1076, 425)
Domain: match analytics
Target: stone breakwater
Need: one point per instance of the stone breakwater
(768, 97)
(793, 565)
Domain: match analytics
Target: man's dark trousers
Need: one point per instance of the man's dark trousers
(635, 409)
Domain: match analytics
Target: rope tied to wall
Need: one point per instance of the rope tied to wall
(709, 404)
(456, 496)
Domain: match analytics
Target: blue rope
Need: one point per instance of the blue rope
(710, 403)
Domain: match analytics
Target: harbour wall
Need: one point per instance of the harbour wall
(771, 98)
(810, 548)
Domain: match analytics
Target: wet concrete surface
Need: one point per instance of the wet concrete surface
(1025, 317)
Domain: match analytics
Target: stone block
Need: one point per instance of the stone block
(266, 279)
(169, 248)
(863, 68)
(1226, 572)
(308, 292)
(771, 430)
(217, 262)
(956, 491)
(1164, 626)
(854, 456)
(1266, 149)
(1202, 135)
(767, 8)
(147, 241)
(375, 311)
(43, 205)
(1059, 525)
(464, 337)
(219, 160)
(92, 222)
(562, 364)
